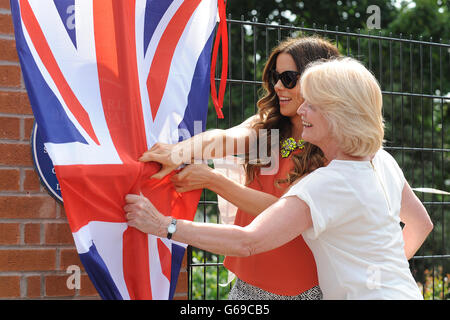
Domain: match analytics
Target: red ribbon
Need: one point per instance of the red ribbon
(222, 34)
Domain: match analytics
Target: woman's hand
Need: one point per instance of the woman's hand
(168, 155)
(142, 215)
(193, 177)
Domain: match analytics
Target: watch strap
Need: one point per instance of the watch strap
(172, 223)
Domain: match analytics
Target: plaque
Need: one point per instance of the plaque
(44, 165)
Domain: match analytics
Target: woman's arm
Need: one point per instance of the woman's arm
(416, 219)
(206, 145)
(280, 223)
(247, 199)
(199, 176)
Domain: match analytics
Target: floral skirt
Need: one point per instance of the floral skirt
(244, 291)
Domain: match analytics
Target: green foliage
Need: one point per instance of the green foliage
(428, 19)
(436, 285)
(207, 269)
(342, 13)
(206, 278)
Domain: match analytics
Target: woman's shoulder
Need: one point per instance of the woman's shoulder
(320, 176)
(315, 184)
(384, 158)
(386, 162)
(383, 154)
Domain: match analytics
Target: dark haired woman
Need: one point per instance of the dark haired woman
(288, 272)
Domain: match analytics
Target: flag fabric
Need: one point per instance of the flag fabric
(107, 79)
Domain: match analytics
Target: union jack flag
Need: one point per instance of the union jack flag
(106, 80)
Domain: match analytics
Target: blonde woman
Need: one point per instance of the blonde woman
(348, 212)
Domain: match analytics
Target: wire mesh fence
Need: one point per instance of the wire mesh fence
(414, 75)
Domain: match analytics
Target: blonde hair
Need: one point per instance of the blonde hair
(349, 97)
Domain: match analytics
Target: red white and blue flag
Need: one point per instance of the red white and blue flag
(106, 80)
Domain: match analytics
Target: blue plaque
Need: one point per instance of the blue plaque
(44, 165)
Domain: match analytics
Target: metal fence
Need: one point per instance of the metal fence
(414, 75)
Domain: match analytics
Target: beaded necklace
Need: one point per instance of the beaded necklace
(289, 145)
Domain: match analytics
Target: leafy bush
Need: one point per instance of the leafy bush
(205, 279)
(435, 287)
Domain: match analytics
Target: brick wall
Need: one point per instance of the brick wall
(36, 245)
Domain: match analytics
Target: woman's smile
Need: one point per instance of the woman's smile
(284, 100)
(306, 124)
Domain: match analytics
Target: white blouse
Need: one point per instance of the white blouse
(356, 236)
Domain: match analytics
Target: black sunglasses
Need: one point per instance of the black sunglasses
(288, 78)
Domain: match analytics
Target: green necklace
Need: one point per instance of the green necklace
(289, 145)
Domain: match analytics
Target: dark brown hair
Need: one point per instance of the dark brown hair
(303, 50)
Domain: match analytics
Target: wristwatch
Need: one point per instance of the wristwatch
(171, 228)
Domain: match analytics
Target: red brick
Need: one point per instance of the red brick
(58, 233)
(9, 286)
(184, 262)
(9, 179)
(32, 233)
(10, 76)
(31, 181)
(29, 123)
(10, 233)
(6, 25)
(86, 287)
(8, 50)
(15, 154)
(4, 4)
(62, 211)
(27, 207)
(33, 287)
(70, 257)
(182, 284)
(27, 260)
(15, 102)
(9, 128)
(56, 286)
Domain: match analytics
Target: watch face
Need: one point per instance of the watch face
(171, 228)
